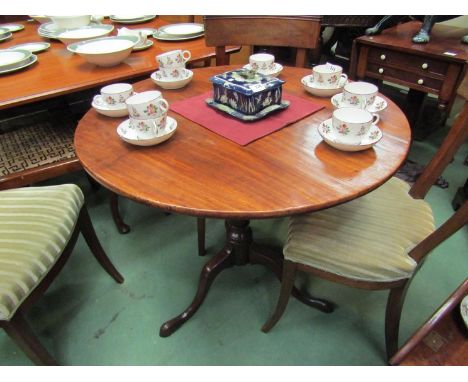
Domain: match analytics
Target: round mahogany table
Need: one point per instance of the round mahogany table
(199, 173)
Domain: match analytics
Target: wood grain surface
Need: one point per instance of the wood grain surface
(59, 71)
(200, 173)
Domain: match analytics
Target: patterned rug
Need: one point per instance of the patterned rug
(35, 140)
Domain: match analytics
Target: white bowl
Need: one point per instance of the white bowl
(67, 22)
(106, 51)
(69, 36)
(170, 83)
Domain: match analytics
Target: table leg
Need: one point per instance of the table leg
(209, 272)
(239, 250)
(273, 259)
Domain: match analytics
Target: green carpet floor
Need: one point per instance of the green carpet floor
(85, 318)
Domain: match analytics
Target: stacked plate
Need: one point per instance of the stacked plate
(4, 34)
(181, 31)
(51, 30)
(131, 19)
(15, 59)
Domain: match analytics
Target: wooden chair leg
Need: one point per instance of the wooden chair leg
(86, 228)
(114, 206)
(21, 333)
(201, 223)
(287, 283)
(395, 301)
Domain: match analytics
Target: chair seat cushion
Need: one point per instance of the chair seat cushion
(367, 239)
(35, 226)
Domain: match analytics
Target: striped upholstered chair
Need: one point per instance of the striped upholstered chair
(38, 230)
(375, 242)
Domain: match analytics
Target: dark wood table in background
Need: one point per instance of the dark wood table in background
(59, 71)
(200, 173)
(424, 68)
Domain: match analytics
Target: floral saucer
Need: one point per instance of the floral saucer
(326, 131)
(118, 110)
(131, 136)
(379, 104)
(146, 45)
(318, 90)
(243, 117)
(169, 83)
(272, 73)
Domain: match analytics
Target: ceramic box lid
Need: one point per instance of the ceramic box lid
(246, 82)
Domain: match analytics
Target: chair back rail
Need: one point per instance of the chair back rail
(454, 139)
(302, 32)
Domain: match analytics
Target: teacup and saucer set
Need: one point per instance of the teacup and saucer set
(361, 95)
(143, 43)
(111, 101)
(326, 80)
(149, 123)
(172, 73)
(265, 64)
(351, 129)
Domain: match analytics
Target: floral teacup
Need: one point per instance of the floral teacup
(328, 76)
(116, 94)
(263, 62)
(359, 94)
(148, 128)
(147, 105)
(351, 125)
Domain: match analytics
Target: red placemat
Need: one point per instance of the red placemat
(196, 109)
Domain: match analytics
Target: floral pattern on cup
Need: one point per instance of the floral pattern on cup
(328, 75)
(175, 58)
(115, 94)
(343, 129)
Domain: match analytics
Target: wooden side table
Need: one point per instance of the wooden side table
(437, 67)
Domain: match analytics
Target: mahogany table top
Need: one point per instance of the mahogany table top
(59, 71)
(200, 173)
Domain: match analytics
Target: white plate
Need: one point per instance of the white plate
(131, 19)
(182, 29)
(171, 84)
(167, 37)
(5, 36)
(33, 47)
(464, 310)
(12, 27)
(130, 135)
(10, 58)
(31, 60)
(146, 45)
(272, 73)
(327, 133)
(319, 91)
(50, 30)
(101, 107)
(379, 104)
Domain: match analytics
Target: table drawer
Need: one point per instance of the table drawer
(410, 61)
(409, 78)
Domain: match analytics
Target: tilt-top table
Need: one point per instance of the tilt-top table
(200, 173)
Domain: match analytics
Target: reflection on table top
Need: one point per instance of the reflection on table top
(59, 71)
(200, 173)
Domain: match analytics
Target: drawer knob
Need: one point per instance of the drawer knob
(420, 81)
(380, 70)
(424, 66)
(383, 57)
